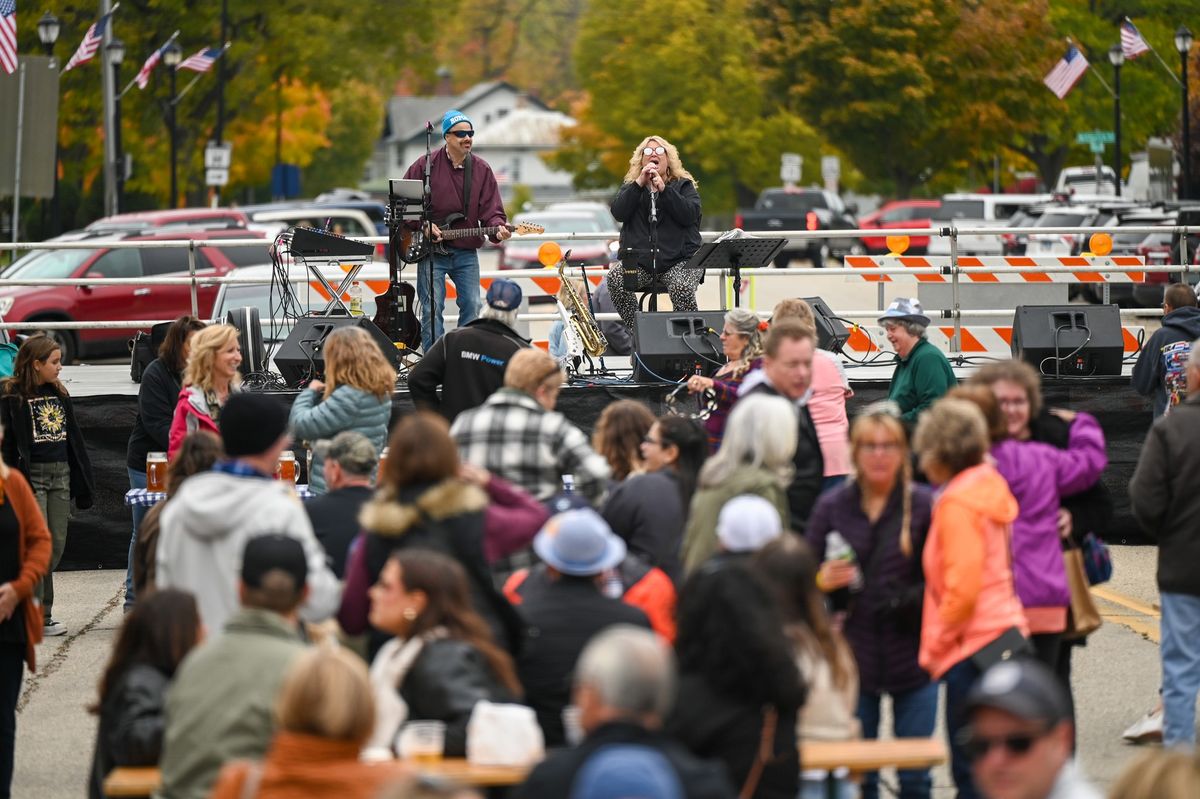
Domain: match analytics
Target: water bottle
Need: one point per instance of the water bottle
(356, 299)
(837, 548)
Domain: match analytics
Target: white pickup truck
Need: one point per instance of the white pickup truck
(977, 210)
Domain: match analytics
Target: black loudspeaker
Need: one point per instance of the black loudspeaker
(300, 357)
(255, 357)
(671, 345)
(1069, 340)
(831, 333)
(143, 348)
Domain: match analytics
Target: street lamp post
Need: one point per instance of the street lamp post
(116, 54)
(172, 55)
(48, 27)
(1116, 57)
(1183, 43)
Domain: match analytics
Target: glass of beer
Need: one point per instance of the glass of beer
(156, 471)
(423, 741)
(286, 468)
(382, 463)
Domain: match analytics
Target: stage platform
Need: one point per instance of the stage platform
(106, 404)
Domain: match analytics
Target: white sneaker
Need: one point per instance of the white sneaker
(1147, 729)
(53, 628)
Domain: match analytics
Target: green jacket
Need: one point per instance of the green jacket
(221, 704)
(700, 538)
(920, 379)
(348, 408)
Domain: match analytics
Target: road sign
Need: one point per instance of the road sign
(218, 156)
(1094, 137)
(790, 167)
(831, 167)
(216, 177)
(1097, 146)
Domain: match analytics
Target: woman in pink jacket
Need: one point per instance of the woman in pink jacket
(210, 377)
(972, 616)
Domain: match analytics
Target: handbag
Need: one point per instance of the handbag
(1097, 560)
(1009, 645)
(1083, 618)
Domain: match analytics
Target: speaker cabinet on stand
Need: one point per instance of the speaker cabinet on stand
(671, 345)
(301, 357)
(1069, 340)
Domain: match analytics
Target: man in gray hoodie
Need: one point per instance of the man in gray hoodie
(206, 525)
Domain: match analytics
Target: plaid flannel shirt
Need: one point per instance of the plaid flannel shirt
(515, 438)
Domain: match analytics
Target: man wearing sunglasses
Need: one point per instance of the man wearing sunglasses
(658, 208)
(1020, 733)
(464, 194)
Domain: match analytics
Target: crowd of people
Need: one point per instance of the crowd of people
(664, 608)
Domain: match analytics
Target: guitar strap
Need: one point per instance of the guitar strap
(467, 164)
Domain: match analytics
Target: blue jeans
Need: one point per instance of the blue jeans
(137, 479)
(958, 684)
(462, 266)
(819, 789)
(914, 715)
(1180, 668)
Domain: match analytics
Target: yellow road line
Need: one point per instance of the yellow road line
(1144, 620)
(1126, 602)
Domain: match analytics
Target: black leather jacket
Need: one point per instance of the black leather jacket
(132, 721)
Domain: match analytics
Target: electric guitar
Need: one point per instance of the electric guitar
(418, 245)
(394, 308)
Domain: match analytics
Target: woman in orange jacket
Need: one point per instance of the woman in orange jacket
(326, 713)
(971, 615)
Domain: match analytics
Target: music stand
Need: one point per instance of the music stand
(735, 255)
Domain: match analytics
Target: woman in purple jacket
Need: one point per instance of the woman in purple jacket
(1039, 475)
(884, 517)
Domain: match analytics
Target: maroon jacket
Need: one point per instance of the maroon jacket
(446, 184)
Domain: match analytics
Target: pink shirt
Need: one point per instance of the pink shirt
(827, 404)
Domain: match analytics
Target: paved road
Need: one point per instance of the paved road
(1116, 677)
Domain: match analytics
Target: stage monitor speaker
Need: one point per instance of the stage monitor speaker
(255, 357)
(673, 344)
(1069, 340)
(301, 358)
(832, 335)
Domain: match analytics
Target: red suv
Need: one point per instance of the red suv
(898, 215)
(97, 302)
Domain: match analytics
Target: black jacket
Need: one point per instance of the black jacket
(1092, 508)
(18, 444)
(555, 776)
(809, 464)
(1164, 357)
(561, 616)
(444, 683)
(157, 399)
(468, 363)
(1165, 496)
(132, 721)
(334, 517)
(446, 517)
(648, 512)
(678, 221)
(716, 727)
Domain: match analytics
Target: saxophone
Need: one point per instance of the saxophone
(579, 317)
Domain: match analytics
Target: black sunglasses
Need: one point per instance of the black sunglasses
(976, 746)
(463, 134)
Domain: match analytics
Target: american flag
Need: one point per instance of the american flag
(1132, 43)
(1066, 72)
(8, 36)
(202, 61)
(89, 45)
(143, 76)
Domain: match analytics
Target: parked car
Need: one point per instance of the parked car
(1083, 180)
(103, 301)
(519, 253)
(1016, 243)
(899, 214)
(1064, 217)
(978, 210)
(600, 212)
(149, 221)
(803, 209)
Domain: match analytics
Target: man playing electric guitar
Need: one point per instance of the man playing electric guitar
(455, 170)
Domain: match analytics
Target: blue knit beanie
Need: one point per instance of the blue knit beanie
(452, 118)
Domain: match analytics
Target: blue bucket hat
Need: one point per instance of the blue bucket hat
(905, 308)
(504, 295)
(452, 118)
(579, 543)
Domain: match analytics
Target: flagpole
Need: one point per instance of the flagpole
(109, 93)
(1150, 47)
(129, 86)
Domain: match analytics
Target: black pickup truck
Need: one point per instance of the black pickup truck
(803, 209)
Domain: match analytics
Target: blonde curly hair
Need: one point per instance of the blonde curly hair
(202, 355)
(675, 170)
(352, 358)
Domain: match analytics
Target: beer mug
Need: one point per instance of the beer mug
(383, 455)
(286, 468)
(156, 471)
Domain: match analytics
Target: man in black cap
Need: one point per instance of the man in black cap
(206, 526)
(468, 363)
(1020, 735)
(221, 702)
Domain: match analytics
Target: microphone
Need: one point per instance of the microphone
(653, 207)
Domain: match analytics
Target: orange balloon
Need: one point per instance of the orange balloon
(1100, 243)
(549, 254)
(897, 245)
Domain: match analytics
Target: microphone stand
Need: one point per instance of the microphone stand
(427, 226)
(654, 282)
